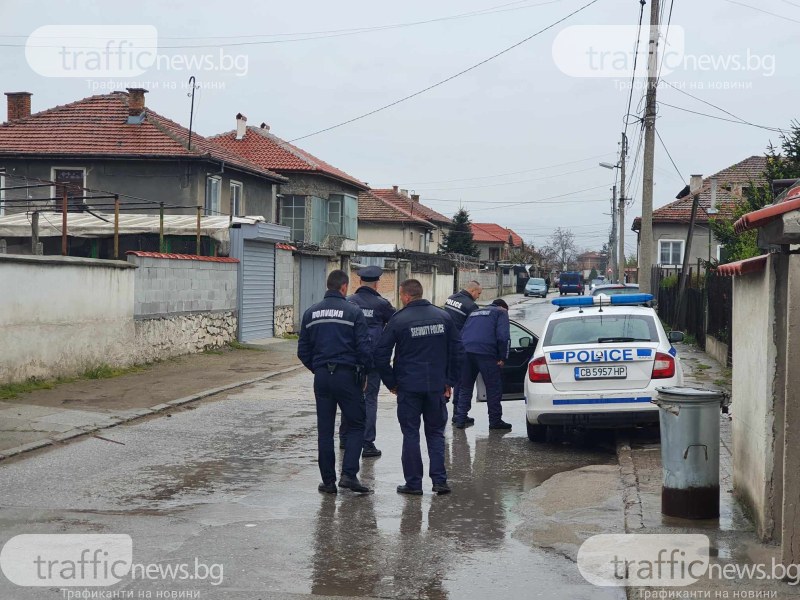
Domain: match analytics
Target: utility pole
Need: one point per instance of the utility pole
(695, 185)
(646, 238)
(612, 246)
(621, 253)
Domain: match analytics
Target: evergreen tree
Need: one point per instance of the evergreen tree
(785, 165)
(459, 240)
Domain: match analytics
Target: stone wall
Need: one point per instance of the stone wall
(174, 335)
(284, 320)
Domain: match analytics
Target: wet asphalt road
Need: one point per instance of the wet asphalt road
(232, 482)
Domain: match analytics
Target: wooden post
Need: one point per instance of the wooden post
(695, 186)
(161, 227)
(35, 232)
(198, 247)
(116, 226)
(64, 223)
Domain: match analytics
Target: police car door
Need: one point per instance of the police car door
(523, 345)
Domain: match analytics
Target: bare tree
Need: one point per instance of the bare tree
(561, 247)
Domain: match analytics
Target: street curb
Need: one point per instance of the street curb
(58, 438)
(631, 499)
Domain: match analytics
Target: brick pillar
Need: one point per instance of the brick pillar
(19, 105)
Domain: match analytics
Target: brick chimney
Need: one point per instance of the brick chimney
(241, 126)
(19, 105)
(395, 188)
(136, 101)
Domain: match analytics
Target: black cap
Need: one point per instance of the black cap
(370, 273)
(500, 302)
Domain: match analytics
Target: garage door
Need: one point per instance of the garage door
(258, 291)
(313, 273)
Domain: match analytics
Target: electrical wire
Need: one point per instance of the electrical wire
(635, 60)
(450, 78)
(761, 10)
(475, 187)
(739, 122)
(663, 145)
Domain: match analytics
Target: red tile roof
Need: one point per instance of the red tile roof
(271, 152)
(410, 206)
(763, 216)
(729, 184)
(142, 254)
(492, 233)
(98, 127)
(373, 208)
(743, 267)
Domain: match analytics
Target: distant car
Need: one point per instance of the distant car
(536, 286)
(598, 365)
(571, 283)
(597, 282)
(615, 289)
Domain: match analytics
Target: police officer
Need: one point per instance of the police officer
(334, 344)
(377, 311)
(426, 352)
(486, 337)
(459, 306)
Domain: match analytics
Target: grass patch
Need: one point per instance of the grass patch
(702, 367)
(12, 390)
(690, 339)
(290, 336)
(235, 345)
(722, 383)
(211, 351)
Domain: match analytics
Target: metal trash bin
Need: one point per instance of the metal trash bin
(689, 423)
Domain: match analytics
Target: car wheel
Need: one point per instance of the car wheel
(537, 433)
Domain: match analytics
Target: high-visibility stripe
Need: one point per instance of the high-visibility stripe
(340, 321)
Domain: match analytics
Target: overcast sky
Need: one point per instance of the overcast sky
(520, 113)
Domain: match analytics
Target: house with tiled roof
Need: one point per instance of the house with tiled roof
(410, 204)
(494, 241)
(319, 202)
(719, 195)
(383, 222)
(115, 143)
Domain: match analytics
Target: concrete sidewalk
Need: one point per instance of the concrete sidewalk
(69, 410)
(732, 537)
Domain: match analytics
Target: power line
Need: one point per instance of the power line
(571, 162)
(635, 60)
(475, 187)
(544, 200)
(775, 129)
(663, 145)
(761, 10)
(443, 81)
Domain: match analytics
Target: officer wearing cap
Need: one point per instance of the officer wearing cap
(377, 311)
(486, 337)
(334, 344)
(459, 306)
(426, 352)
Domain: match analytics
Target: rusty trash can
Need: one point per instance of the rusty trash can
(689, 423)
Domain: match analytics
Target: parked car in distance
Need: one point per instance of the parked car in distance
(597, 282)
(536, 286)
(615, 289)
(571, 283)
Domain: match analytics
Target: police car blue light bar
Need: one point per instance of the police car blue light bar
(619, 300)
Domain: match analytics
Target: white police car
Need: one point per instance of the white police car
(598, 363)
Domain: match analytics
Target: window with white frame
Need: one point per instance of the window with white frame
(213, 192)
(293, 215)
(236, 199)
(670, 252)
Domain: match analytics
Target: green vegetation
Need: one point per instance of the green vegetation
(688, 338)
(236, 345)
(780, 165)
(702, 367)
(12, 390)
(290, 336)
(459, 240)
(593, 274)
(669, 282)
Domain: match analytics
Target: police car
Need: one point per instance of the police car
(598, 364)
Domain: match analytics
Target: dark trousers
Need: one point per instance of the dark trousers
(371, 404)
(331, 390)
(492, 378)
(432, 408)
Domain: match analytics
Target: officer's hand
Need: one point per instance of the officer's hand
(500, 363)
(448, 391)
(393, 390)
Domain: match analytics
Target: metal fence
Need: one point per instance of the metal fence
(720, 307)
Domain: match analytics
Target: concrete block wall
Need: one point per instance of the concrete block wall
(178, 284)
(284, 278)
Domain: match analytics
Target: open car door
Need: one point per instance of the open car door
(523, 345)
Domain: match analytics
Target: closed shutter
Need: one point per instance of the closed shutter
(258, 291)
(313, 274)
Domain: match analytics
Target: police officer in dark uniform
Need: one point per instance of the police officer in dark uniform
(486, 337)
(334, 344)
(459, 307)
(377, 311)
(426, 355)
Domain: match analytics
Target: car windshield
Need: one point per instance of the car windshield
(599, 329)
(615, 291)
(535, 281)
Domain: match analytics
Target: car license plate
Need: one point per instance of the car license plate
(600, 373)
